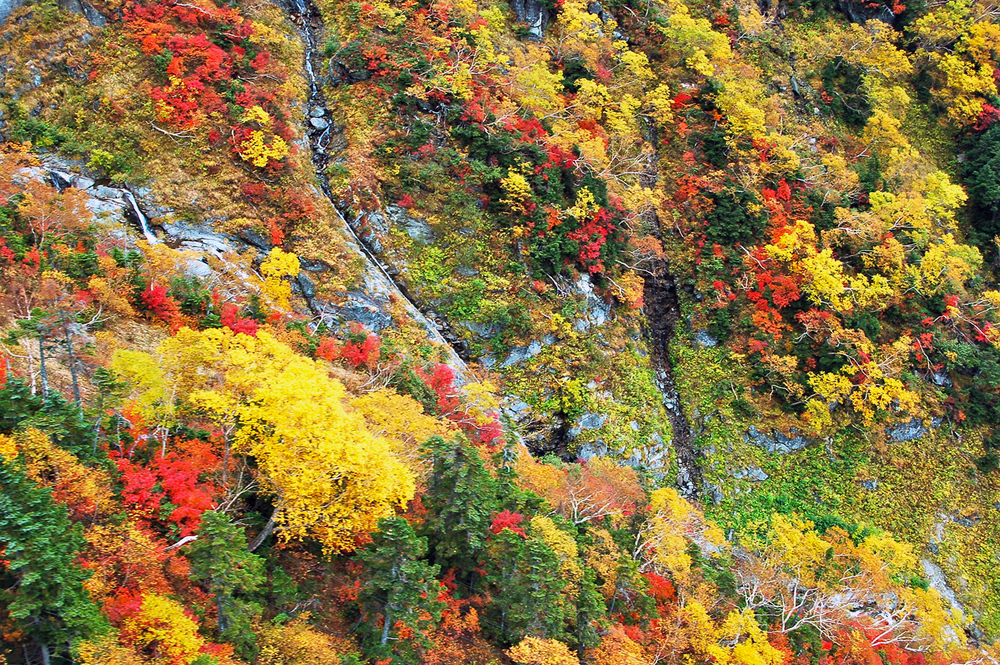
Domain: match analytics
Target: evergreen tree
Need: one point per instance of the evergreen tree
(527, 585)
(220, 561)
(982, 175)
(41, 586)
(61, 420)
(589, 609)
(399, 595)
(461, 499)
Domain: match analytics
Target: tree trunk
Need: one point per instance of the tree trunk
(220, 614)
(41, 361)
(265, 532)
(72, 360)
(386, 623)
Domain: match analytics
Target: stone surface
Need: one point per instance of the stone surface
(776, 441)
(7, 8)
(533, 13)
(596, 312)
(754, 473)
(415, 227)
(912, 430)
(862, 12)
(587, 421)
(937, 580)
(519, 354)
(482, 330)
(703, 339)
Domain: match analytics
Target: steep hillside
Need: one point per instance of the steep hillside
(473, 332)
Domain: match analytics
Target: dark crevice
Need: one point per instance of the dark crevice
(662, 317)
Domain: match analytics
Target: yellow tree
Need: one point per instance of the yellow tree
(278, 265)
(539, 651)
(331, 478)
(674, 522)
(822, 581)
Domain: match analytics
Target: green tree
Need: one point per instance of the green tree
(732, 221)
(399, 595)
(590, 608)
(527, 590)
(982, 175)
(220, 561)
(63, 421)
(461, 499)
(41, 586)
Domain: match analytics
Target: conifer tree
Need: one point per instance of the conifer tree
(41, 585)
(399, 596)
(221, 562)
(461, 498)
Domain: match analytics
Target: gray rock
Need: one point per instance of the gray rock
(60, 179)
(416, 228)
(516, 408)
(775, 441)
(357, 307)
(596, 311)
(715, 493)
(861, 12)
(254, 238)
(937, 580)
(592, 449)
(482, 330)
(94, 17)
(198, 268)
(371, 228)
(7, 8)
(587, 421)
(306, 286)
(533, 13)
(753, 473)
(313, 266)
(105, 208)
(521, 353)
(703, 339)
(198, 238)
(319, 123)
(870, 485)
(317, 112)
(908, 431)
(941, 379)
(102, 192)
